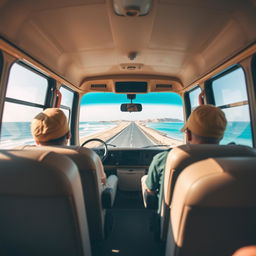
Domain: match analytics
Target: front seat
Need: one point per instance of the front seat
(42, 206)
(182, 156)
(213, 208)
(90, 168)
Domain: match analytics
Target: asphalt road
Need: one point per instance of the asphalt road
(132, 137)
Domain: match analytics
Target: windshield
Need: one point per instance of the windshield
(158, 123)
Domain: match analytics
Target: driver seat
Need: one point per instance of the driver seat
(98, 199)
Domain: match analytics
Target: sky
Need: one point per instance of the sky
(106, 107)
(110, 98)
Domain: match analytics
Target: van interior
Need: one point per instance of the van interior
(127, 74)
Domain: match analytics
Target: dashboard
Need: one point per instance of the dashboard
(129, 157)
(129, 164)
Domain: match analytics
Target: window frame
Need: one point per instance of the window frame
(187, 100)
(252, 105)
(209, 88)
(2, 104)
(72, 114)
(1, 63)
(149, 101)
(211, 99)
(67, 107)
(49, 91)
(253, 69)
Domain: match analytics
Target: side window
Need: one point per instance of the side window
(25, 97)
(67, 101)
(254, 70)
(192, 99)
(1, 63)
(230, 94)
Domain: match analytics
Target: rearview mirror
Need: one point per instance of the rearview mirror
(131, 107)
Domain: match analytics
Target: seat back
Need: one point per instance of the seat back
(90, 168)
(181, 157)
(42, 205)
(214, 207)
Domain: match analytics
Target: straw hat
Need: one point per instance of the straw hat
(206, 121)
(49, 125)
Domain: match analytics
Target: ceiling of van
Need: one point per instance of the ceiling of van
(79, 39)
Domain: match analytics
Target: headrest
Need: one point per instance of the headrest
(37, 172)
(217, 182)
(84, 158)
(40, 175)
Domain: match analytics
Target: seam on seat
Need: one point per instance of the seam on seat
(43, 156)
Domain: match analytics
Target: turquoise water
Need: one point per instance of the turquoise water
(15, 133)
(238, 132)
(18, 133)
(89, 128)
(171, 129)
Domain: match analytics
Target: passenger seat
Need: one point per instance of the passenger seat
(213, 208)
(182, 156)
(42, 208)
(97, 200)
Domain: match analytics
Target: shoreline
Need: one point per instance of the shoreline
(159, 137)
(105, 135)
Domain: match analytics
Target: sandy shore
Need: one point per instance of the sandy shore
(155, 136)
(159, 137)
(106, 135)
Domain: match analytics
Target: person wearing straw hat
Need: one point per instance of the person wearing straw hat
(205, 125)
(50, 128)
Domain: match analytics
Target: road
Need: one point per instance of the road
(131, 137)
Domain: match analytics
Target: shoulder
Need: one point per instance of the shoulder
(159, 159)
(162, 155)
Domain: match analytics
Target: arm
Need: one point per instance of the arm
(103, 177)
(155, 172)
(201, 98)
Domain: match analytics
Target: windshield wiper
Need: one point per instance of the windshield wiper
(158, 145)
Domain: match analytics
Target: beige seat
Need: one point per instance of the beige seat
(90, 167)
(42, 206)
(213, 208)
(182, 156)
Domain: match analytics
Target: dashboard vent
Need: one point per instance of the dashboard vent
(163, 86)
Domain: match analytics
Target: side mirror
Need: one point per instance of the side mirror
(131, 107)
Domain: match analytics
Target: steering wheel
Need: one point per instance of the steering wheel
(102, 154)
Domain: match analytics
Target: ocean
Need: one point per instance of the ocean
(238, 132)
(18, 133)
(171, 129)
(14, 134)
(89, 128)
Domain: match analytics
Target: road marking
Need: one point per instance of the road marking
(131, 138)
(118, 134)
(153, 143)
